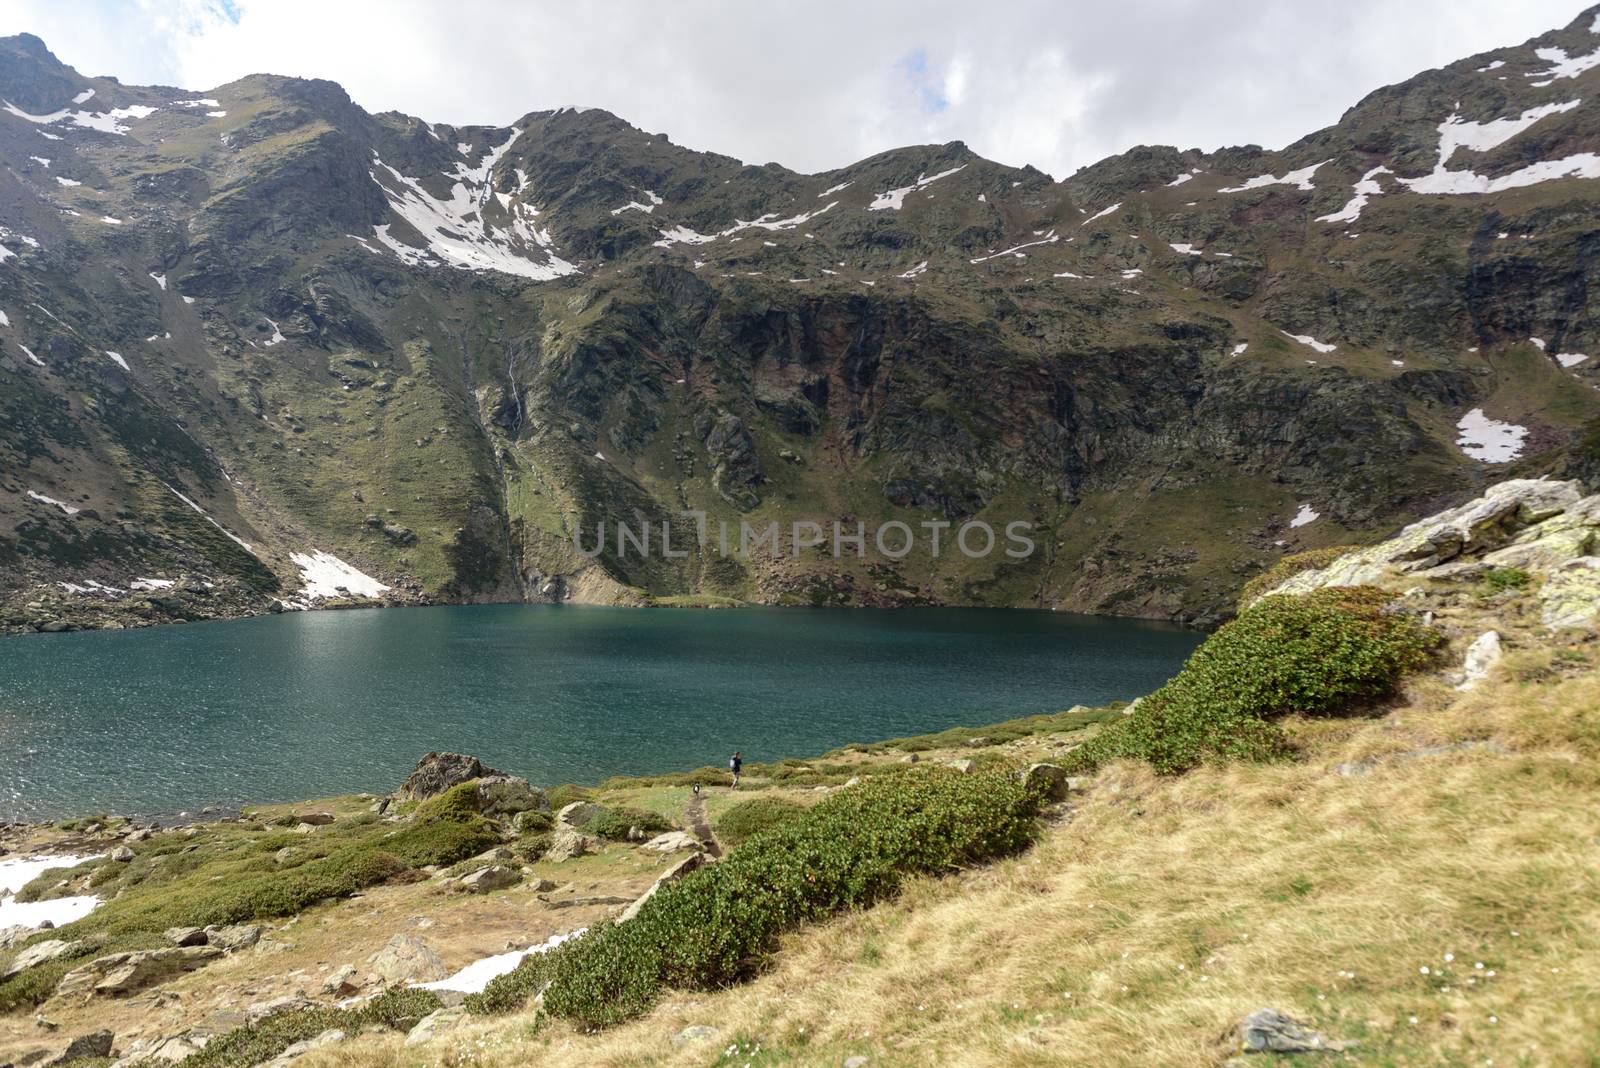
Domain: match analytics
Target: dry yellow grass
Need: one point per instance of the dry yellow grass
(1141, 930)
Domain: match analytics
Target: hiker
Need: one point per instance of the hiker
(735, 763)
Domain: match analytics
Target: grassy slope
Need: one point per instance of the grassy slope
(1166, 909)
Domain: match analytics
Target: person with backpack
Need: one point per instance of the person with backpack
(735, 764)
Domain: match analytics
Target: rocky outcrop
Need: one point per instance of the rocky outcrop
(38, 953)
(1545, 530)
(1270, 1031)
(437, 772)
(120, 974)
(406, 959)
(507, 795)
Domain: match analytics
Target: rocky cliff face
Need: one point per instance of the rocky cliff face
(261, 349)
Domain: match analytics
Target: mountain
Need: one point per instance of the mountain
(260, 349)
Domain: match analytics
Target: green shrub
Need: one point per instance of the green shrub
(565, 794)
(749, 818)
(718, 925)
(253, 1044)
(615, 823)
(1287, 568)
(1500, 579)
(1325, 653)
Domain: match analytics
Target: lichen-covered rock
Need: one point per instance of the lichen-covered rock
(119, 974)
(508, 795)
(406, 959)
(437, 772)
(567, 843)
(38, 953)
(1544, 528)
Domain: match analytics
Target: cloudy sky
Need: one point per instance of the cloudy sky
(820, 83)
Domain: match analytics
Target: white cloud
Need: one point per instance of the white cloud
(1055, 84)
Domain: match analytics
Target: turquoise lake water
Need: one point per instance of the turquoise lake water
(286, 708)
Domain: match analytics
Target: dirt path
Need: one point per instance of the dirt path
(695, 816)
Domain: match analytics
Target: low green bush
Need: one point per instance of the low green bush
(1287, 568)
(718, 925)
(565, 794)
(749, 818)
(399, 1009)
(615, 823)
(1328, 652)
(1501, 579)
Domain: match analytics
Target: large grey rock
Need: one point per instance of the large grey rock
(233, 937)
(1482, 655)
(186, 936)
(1047, 781)
(94, 1045)
(567, 843)
(673, 842)
(300, 1049)
(259, 1011)
(437, 772)
(406, 959)
(1270, 1031)
(507, 795)
(433, 1024)
(36, 954)
(579, 814)
(125, 973)
(493, 877)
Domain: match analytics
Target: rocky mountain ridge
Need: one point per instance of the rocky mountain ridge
(264, 350)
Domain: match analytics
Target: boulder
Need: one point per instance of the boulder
(186, 936)
(507, 795)
(300, 1049)
(492, 877)
(431, 1025)
(38, 953)
(259, 1011)
(314, 819)
(233, 937)
(406, 959)
(437, 772)
(94, 1045)
(673, 842)
(126, 973)
(122, 854)
(579, 814)
(1270, 1031)
(1047, 781)
(694, 1033)
(1482, 655)
(342, 983)
(964, 766)
(567, 843)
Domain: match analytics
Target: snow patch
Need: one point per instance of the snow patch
(682, 235)
(1489, 440)
(1562, 65)
(17, 872)
(1102, 213)
(893, 199)
(325, 575)
(67, 182)
(1238, 350)
(455, 229)
(1185, 248)
(1180, 179)
(26, 351)
(832, 189)
(475, 976)
(232, 536)
(1307, 339)
(1570, 359)
(1305, 515)
(918, 269)
(118, 360)
(107, 122)
(1049, 238)
(1300, 179)
(42, 499)
(161, 279)
(1364, 189)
